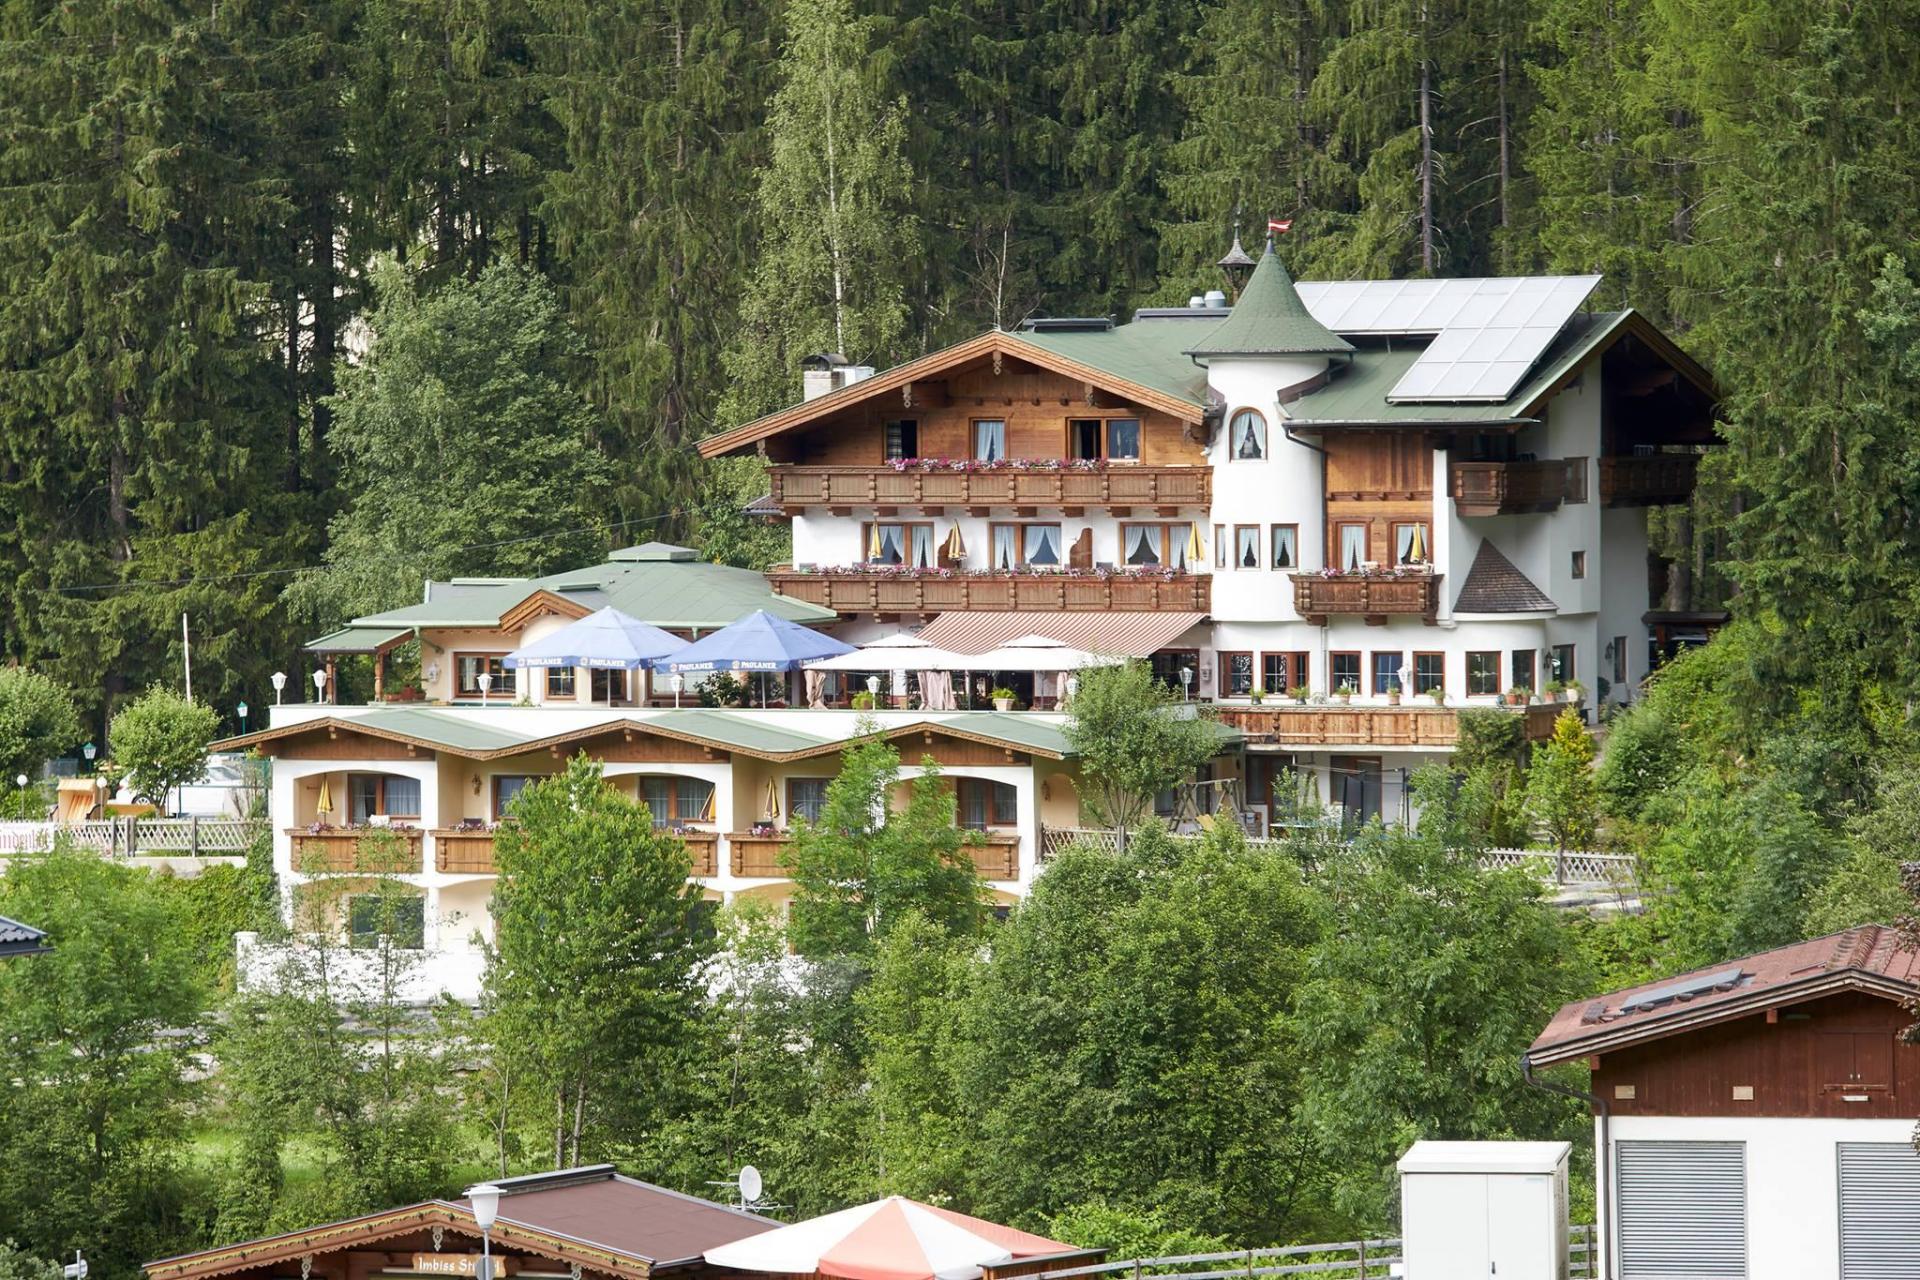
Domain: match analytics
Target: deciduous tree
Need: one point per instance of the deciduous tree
(159, 741)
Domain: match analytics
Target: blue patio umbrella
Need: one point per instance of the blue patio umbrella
(607, 640)
(758, 642)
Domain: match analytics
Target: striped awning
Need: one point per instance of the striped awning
(1133, 635)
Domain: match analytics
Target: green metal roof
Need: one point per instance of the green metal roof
(1148, 355)
(1270, 320)
(753, 731)
(647, 583)
(357, 639)
(458, 732)
(1041, 733)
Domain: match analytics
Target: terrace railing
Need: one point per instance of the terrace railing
(1336, 1260)
(136, 837)
(991, 488)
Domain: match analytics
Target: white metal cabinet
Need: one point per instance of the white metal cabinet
(1484, 1210)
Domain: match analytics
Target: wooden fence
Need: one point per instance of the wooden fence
(135, 837)
(1339, 1260)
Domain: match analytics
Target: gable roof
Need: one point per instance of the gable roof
(593, 1216)
(18, 939)
(1494, 585)
(1869, 959)
(1270, 320)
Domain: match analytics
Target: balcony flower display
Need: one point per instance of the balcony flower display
(1000, 465)
(1423, 569)
(1146, 572)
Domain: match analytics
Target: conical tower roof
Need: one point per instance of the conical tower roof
(1270, 320)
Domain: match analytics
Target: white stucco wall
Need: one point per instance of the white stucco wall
(1793, 1201)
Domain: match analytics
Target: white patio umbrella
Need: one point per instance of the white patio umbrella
(1038, 653)
(891, 1239)
(897, 652)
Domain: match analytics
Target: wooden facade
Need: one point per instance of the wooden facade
(1373, 596)
(1507, 488)
(340, 849)
(894, 594)
(1119, 488)
(1377, 479)
(1838, 1057)
(1653, 480)
(1403, 726)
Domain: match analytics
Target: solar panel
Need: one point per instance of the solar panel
(1488, 333)
(1681, 990)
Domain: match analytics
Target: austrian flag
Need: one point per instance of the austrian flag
(1279, 226)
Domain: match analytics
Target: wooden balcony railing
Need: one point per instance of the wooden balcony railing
(1653, 480)
(1123, 485)
(704, 848)
(457, 852)
(1366, 726)
(752, 855)
(898, 593)
(339, 850)
(1375, 596)
(997, 857)
(1506, 488)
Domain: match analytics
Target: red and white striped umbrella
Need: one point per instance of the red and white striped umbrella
(891, 1239)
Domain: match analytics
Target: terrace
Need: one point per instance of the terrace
(889, 591)
(991, 488)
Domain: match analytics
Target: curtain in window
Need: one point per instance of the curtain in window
(1286, 548)
(973, 805)
(1410, 543)
(693, 797)
(1249, 435)
(506, 788)
(891, 543)
(1143, 544)
(363, 799)
(658, 798)
(1386, 671)
(1006, 551)
(1043, 544)
(989, 441)
(1123, 437)
(1247, 553)
(403, 797)
(1177, 549)
(809, 796)
(922, 546)
(1353, 545)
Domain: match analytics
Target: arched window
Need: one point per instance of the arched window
(1247, 436)
(674, 801)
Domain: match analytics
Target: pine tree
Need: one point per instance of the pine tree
(832, 216)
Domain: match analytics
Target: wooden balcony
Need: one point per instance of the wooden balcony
(1366, 726)
(1374, 596)
(340, 850)
(913, 593)
(1506, 488)
(753, 855)
(1653, 480)
(468, 852)
(704, 848)
(999, 489)
(997, 857)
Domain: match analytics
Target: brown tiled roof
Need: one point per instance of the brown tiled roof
(1493, 585)
(1869, 958)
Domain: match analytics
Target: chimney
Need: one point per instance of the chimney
(820, 373)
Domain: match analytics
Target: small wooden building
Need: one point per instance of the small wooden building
(1756, 1119)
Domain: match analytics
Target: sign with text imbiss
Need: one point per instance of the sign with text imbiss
(459, 1264)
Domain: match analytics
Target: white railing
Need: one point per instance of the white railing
(1573, 867)
(1337, 1260)
(135, 837)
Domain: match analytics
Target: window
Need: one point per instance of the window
(1236, 674)
(1115, 438)
(1019, 545)
(990, 441)
(1576, 480)
(1483, 672)
(1123, 439)
(903, 440)
(382, 795)
(469, 667)
(1429, 672)
(1386, 670)
(1286, 546)
(608, 687)
(1562, 660)
(1280, 672)
(1524, 663)
(1219, 546)
(1619, 647)
(1155, 544)
(893, 542)
(505, 787)
(1247, 437)
(560, 682)
(674, 801)
(984, 804)
(1344, 672)
(1353, 546)
(806, 799)
(1579, 564)
(400, 918)
(1412, 543)
(1246, 546)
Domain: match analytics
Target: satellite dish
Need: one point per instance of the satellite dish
(750, 1186)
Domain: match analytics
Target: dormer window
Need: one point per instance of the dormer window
(1247, 436)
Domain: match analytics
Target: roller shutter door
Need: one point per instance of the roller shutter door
(1682, 1210)
(1879, 1211)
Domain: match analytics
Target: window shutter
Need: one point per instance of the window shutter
(1682, 1209)
(1879, 1211)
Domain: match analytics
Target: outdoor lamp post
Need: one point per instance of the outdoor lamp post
(279, 679)
(320, 685)
(485, 1199)
(89, 751)
(1073, 687)
(242, 709)
(677, 683)
(873, 689)
(486, 682)
(1186, 683)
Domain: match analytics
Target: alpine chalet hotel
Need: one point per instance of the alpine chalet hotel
(1341, 510)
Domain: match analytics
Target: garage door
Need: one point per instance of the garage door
(1879, 1211)
(1682, 1209)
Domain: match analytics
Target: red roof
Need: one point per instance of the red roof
(1870, 958)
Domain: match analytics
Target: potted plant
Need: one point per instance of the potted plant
(1002, 698)
(1299, 694)
(863, 701)
(1573, 691)
(1256, 695)
(1393, 693)
(1517, 697)
(1439, 696)
(1552, 691)
(1343, 694)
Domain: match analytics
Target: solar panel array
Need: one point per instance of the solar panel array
(1487, 333)
(1682, 989)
